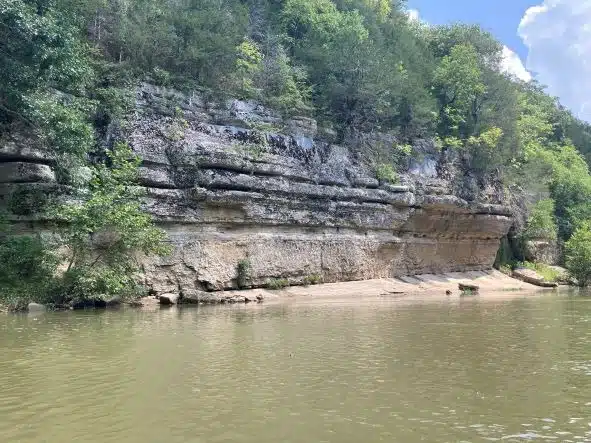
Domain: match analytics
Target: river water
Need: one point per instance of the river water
(409, 370)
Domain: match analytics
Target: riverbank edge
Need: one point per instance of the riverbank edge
(488, 282)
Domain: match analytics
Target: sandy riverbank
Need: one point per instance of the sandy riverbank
(490, 283)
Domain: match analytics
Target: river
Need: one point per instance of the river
(405, 370)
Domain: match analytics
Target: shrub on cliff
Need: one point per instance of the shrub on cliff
(578, 254)
(27, 270)
(103, 233)
(98, 239)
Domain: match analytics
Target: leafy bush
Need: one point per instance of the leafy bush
(578, 255)
(243, 270)
(249, 63)
(28, 268)
(27, 200)
(385, 173)
(104, 232)
(313, 279)
(161, 77)
(542, 222)
(277, 283)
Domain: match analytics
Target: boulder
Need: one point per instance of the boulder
(169, 299)
(543, 251)
(193, 297)
(20, 172)
(36, 307)
(211, 297)
(150, 301)
(532, 277)
(99, 303)
(113, 302)
(468, 288)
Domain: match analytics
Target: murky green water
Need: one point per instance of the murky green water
(399, 371)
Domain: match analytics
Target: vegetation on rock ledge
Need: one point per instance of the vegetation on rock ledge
(92, 253)
(68, 69)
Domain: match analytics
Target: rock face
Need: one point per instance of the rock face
(235, 182)
(36, 307)
(544, 251)
(532, 277)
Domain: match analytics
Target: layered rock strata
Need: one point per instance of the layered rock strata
(237, 184)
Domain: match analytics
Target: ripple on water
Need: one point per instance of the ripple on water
(508, 370)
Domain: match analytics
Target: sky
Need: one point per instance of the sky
(547, 40)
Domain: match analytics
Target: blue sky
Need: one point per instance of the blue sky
(547, 40)
(500, 17)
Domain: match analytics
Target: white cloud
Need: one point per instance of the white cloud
(512, 64)
(413, 15)
(558, 35)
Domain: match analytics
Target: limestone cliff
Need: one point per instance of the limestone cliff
(235, 182)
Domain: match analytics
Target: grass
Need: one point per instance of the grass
(277, 283)
(314, 279)
(548, 273)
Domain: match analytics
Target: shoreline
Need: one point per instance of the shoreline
(489, 282)
(492, 284)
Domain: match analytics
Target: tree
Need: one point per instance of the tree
(44, 69)
(458, 80)
(542, 221)
(578, 255)
(28, 267)
(105, 231)
(249, 64)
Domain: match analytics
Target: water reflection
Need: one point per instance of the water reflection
(452, 370)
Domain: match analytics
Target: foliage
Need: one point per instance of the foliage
(285, 86)
(385, 173)
(542, 222)
(458, 79)
(68, 69)
(28, 267)
(42, 52)
(63, 121)
(578, 255)
(313, 279)
(244, 270)
(547, 272)
(277, 283)
(28, 200)
(249, 63)
(105, 231)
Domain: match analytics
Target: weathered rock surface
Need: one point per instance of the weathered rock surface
(292, 205)
(169, 299)
(36, 307)
(464, 287)
(22, 172)
(542, 251)
(532, 277)
(113, 302)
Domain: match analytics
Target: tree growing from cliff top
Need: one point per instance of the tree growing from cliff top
(104, 232)
(44, 68)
